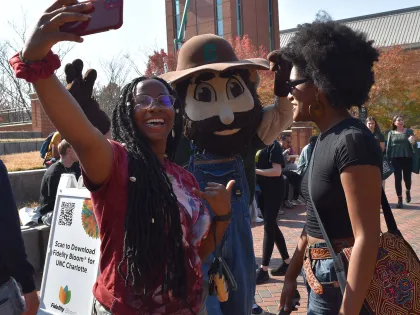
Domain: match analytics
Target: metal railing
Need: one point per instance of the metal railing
(15, 116)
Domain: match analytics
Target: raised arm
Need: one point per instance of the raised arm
(279, 116)
(93, 149)
(276, 118)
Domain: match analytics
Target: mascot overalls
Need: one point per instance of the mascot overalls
(226, 125)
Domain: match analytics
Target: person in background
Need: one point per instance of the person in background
(67, 164)
(52, 154)
(14, 265)
(290, 172)
(285, 141)
(400, 150)
(305, 156)
(333, 71)
(373, 126)
(271, 182)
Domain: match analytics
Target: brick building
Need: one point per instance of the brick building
(228, 18)
(386, 29)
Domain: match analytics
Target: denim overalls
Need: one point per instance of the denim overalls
(237, 244)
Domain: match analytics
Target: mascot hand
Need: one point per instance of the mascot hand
(282, 69)
(82, 89)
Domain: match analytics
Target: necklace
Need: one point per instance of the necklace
(67, 170)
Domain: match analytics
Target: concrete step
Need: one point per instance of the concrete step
(20, 135)
(20, 146)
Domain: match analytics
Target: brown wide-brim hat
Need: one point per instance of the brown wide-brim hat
(212, 53)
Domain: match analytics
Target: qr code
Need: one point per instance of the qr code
(66, 213)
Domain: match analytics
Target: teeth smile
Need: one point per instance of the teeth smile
(154, 122)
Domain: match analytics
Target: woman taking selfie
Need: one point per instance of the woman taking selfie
(332, 71)
(154, 228)
(400, 150)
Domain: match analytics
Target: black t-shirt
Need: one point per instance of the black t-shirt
(267, 156)
(348, 143)
(50, 183)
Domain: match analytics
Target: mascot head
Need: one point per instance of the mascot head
(222, 108)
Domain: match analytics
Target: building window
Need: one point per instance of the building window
(177, 20)
(219, 17)
(239, 17)
(271, 24)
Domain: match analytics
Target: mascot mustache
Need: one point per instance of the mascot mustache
(202, 133)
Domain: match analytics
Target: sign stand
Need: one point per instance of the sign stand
(72, 260)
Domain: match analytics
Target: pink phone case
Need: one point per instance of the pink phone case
(106, 15)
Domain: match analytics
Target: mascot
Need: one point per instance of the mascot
(225, 125)
(82, 89)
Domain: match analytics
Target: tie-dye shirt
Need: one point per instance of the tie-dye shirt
(110, 203)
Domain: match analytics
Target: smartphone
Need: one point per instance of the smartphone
(106, 15)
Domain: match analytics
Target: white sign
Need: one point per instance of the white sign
(71, 265)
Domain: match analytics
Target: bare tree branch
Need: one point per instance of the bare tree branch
(14, 93)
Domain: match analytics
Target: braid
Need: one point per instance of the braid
(153, 248)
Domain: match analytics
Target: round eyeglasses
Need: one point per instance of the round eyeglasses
(143, 101)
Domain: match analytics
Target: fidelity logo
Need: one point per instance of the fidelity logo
(64, 296)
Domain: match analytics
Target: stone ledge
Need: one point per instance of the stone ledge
(26, 185)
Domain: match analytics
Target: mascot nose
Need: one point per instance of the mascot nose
(226, 115)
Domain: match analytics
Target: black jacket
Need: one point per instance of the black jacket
(13, 259)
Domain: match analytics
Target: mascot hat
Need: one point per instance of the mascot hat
(209, 52)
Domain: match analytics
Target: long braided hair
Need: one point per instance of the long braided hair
(153, 247)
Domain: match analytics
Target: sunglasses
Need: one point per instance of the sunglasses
(292, 84)
(144, 101)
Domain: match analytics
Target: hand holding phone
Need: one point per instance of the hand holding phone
(105, 15)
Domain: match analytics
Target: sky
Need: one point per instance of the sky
(144, 26)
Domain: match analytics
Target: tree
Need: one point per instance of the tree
(14, 93)
(397, 88)
(117, 71)
(160, 62)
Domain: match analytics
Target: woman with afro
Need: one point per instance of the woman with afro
(332, 71)
(154, 227)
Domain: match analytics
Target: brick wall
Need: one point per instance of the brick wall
(40, 120)
(202, 20)
(17, 127)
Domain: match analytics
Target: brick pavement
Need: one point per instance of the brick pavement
(291, 224)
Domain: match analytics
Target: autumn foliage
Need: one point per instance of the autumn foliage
(160, 62)
(397, 87)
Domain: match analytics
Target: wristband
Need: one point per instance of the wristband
(223, 218)
(31, 71)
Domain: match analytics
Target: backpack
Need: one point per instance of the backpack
(45, 145)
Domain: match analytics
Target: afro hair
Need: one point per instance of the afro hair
(337, 59)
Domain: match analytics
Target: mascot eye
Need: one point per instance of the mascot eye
(234, 88)
(204, 92)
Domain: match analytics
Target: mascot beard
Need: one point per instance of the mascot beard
(212, 135)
